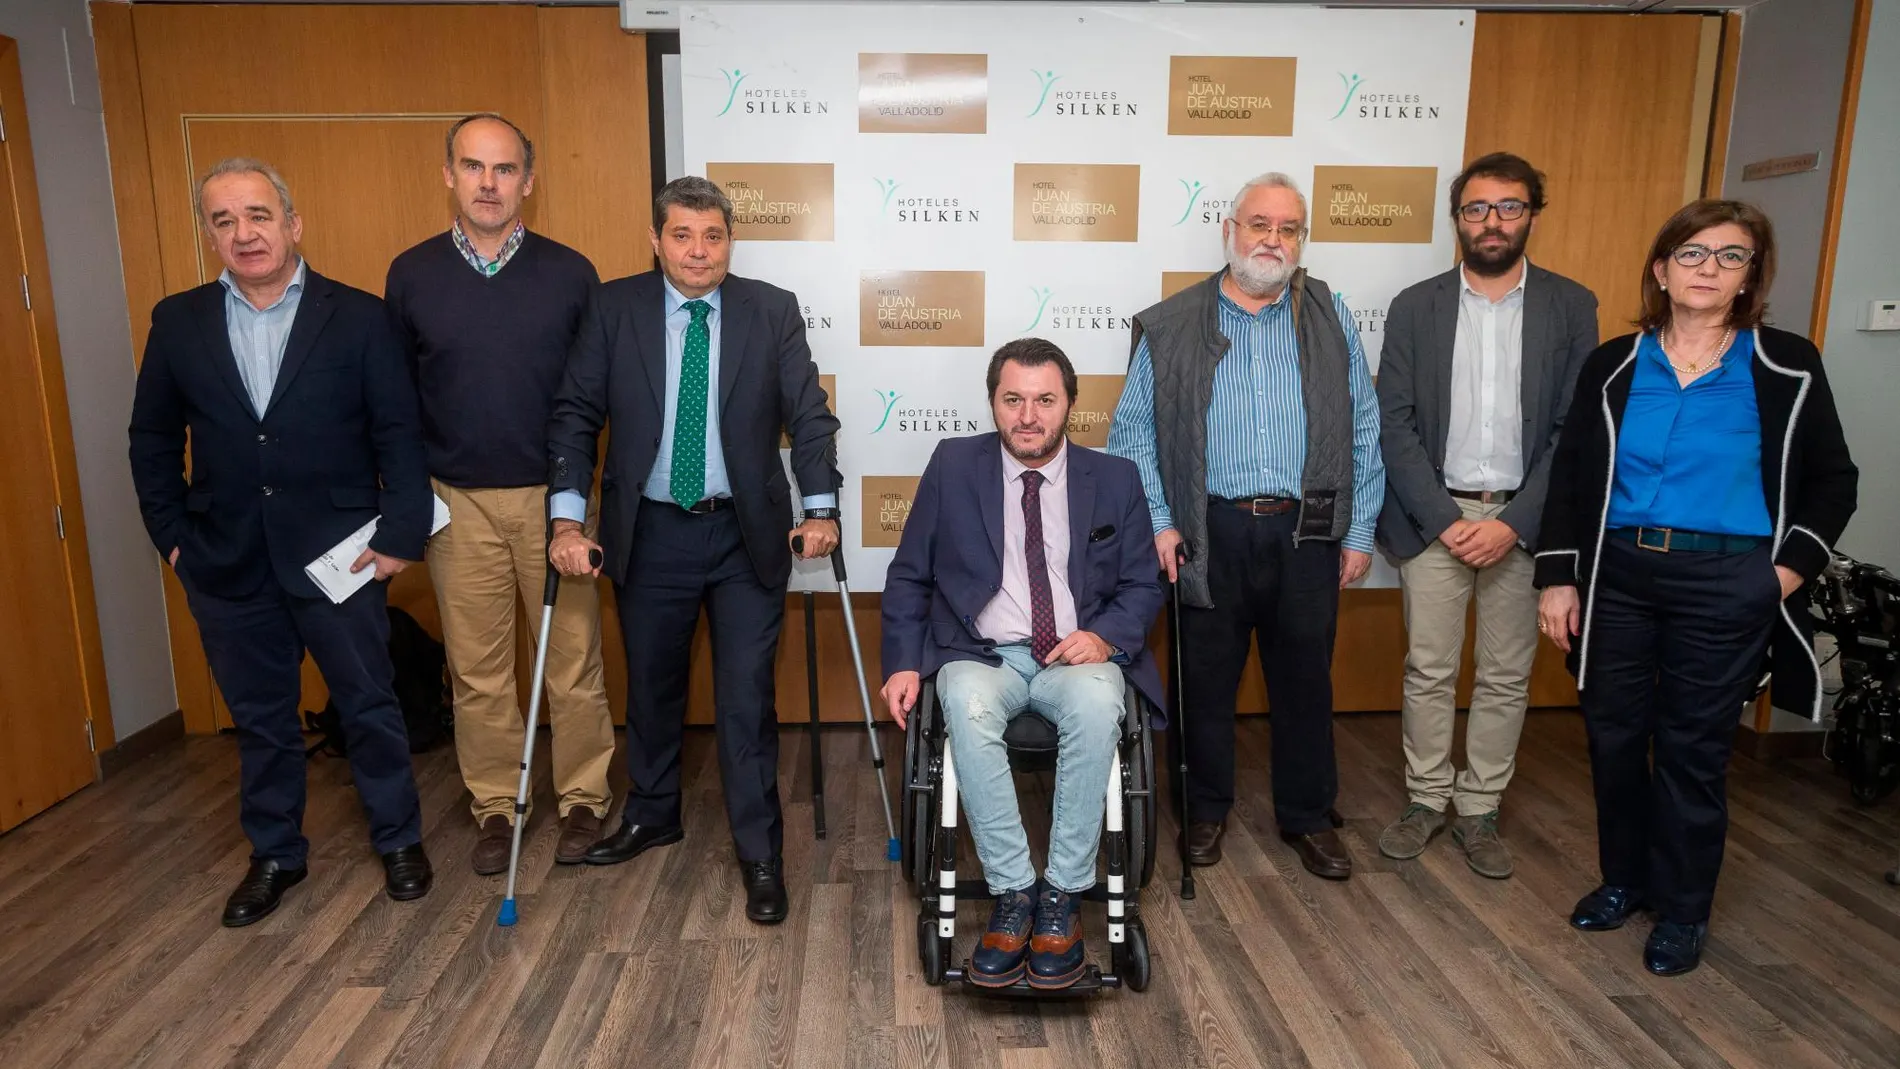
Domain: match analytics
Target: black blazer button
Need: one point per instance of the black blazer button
(268, 491)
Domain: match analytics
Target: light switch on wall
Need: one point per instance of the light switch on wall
(1881, 315)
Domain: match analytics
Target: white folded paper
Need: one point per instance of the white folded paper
(331, 572)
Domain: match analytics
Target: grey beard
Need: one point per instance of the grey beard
(1257, 281)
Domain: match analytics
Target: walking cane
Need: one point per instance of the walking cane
(892, 852)
(506, 916)
(811, 705)
(1180, 715)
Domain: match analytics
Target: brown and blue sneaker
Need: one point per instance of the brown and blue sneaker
(1056, 958)
(1001, 953)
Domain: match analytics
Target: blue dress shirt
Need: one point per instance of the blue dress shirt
(1690, 458)
(259, 337)
(1256, 419)
(568, 505)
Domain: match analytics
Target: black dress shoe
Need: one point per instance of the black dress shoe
(1674, 948)
(407, 874)
(765, 901)
(1322, 853)
(1203, 841)
(259, 892)
(1605, 909)
(630, 842)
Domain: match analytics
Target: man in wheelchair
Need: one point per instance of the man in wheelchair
(1026, 581)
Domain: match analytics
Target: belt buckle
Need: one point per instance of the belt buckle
(1253, 508)
(1667, 534)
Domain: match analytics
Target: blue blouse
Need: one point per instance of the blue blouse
(1690, 459)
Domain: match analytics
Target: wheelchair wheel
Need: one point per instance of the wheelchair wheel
(932, 953)
(919, 810)
(1140, 812)
(1130, 959)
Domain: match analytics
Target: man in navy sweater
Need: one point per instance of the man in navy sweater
(488, 311)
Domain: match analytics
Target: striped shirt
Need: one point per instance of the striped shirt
(1256, 419)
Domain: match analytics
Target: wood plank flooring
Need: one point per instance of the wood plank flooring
(111, 954)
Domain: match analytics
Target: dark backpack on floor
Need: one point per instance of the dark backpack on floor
(422, 689)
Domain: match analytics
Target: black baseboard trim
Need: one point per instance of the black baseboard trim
(144, 742)
(1775, 745)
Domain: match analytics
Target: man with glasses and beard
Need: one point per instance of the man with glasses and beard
(1251, 415)
(1474, 381)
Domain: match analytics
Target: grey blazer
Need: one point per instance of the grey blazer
(1560, 329)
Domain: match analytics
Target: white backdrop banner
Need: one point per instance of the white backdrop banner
(933, 181)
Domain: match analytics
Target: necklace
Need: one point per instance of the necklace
(1662, 339)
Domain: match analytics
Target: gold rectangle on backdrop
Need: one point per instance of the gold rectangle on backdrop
(778, 201)
(884, 502)
(1231, 96)
(1095, 400)
(1173, 282)
(923, 93)
(1078, 201)
(920, 308)
(1388, 205)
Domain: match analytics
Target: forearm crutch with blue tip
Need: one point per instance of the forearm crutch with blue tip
(892, 852)
(506, 916)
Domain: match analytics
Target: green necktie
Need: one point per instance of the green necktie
(688, 477)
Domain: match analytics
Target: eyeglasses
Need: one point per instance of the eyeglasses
(1258, 229)
(1731, 257)
(1479, 210)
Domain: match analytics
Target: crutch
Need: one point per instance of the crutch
(1181, 555)
(892, 852)
(505, 917)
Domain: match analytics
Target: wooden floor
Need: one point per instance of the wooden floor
(111, 954)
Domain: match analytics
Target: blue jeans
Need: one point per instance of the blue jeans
(1084, 702)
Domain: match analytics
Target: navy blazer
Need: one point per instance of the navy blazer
(950, 562)
(340, 442)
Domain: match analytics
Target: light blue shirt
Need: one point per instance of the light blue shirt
(1256, 419)
(258, 337)
(568, 505)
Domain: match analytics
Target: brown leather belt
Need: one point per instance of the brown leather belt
(1489, 497)
(1261, 506)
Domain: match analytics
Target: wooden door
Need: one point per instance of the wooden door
(354, 117)
(44, 710)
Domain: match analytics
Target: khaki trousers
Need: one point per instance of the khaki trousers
(1437, 587)
(493, 551)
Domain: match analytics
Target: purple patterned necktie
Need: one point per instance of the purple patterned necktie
(1042, 605)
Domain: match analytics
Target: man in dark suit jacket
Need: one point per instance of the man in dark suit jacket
(1474, 381)
(302, 425)
(1018, 597)
(698, 372)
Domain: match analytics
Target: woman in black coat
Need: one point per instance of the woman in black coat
(1698, 487)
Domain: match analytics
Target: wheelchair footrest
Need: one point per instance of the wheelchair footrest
(1092, 981)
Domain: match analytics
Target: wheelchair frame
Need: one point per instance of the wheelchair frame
(929, 849)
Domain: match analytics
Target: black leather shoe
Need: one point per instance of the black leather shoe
(1203, 841)
(765, 901)
(1674, 948)
(407, 873)
(259, 892)
(1322, 853)
(630, 842)
(1605, 909)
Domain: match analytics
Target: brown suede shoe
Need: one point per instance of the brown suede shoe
(492, 845)
(579, 828)
(1322, 853)
(1203, 841)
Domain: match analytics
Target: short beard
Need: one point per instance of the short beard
(1048, 450)
(1255, 277)
(1493, 264)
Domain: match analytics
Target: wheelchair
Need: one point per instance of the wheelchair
(928, 835)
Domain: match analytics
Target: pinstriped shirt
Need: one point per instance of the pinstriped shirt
(1256, 419)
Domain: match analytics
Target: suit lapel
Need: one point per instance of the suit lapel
(1445, 346)
(1081, 507)
(217, 340)
(1539, 313)
(649, 331)
(313, 311)
(989, 496)
(735, 328)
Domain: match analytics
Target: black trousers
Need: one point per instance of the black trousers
(255, 645)
(680, 562)
(1285, 598)
(1676, 646)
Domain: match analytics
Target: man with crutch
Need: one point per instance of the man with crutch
(697, 371)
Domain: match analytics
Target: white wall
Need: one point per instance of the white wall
(82, 245)
(1865, 367)
(1788, 102)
